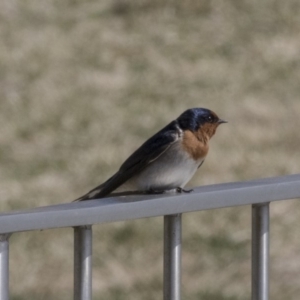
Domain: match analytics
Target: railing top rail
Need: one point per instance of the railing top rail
(140, 206)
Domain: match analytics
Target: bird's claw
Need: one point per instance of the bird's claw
(181, 190)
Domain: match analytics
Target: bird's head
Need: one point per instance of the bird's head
(200, 121)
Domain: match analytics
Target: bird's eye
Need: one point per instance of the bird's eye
(209, 119)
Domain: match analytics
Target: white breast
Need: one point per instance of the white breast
(172, 169)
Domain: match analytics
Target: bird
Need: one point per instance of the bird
(167, 160)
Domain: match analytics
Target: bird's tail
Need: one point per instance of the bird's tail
(99, 191)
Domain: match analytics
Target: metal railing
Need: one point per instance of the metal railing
(82, 215)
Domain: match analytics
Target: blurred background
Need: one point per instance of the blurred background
(84, 83)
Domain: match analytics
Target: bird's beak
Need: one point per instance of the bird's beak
(220, 121)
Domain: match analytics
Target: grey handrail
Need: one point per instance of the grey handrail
(141, 206)
(82, 215)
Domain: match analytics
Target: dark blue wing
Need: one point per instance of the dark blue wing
(139, 160)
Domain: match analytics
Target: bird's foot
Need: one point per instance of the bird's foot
(181, 190)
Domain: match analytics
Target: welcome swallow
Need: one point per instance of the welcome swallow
(166, 161)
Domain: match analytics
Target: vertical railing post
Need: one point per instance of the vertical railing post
(83, 263)
(260, 251)
(4, 268)
(172, 257)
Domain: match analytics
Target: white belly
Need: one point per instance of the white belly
(173, 169)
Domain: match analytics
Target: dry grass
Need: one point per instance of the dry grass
(82, 84)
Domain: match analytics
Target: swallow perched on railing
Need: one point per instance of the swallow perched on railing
(166, 161)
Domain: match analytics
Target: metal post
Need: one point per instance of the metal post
(260, 251)
(172, 257)
(4, 271)
(83, 263)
